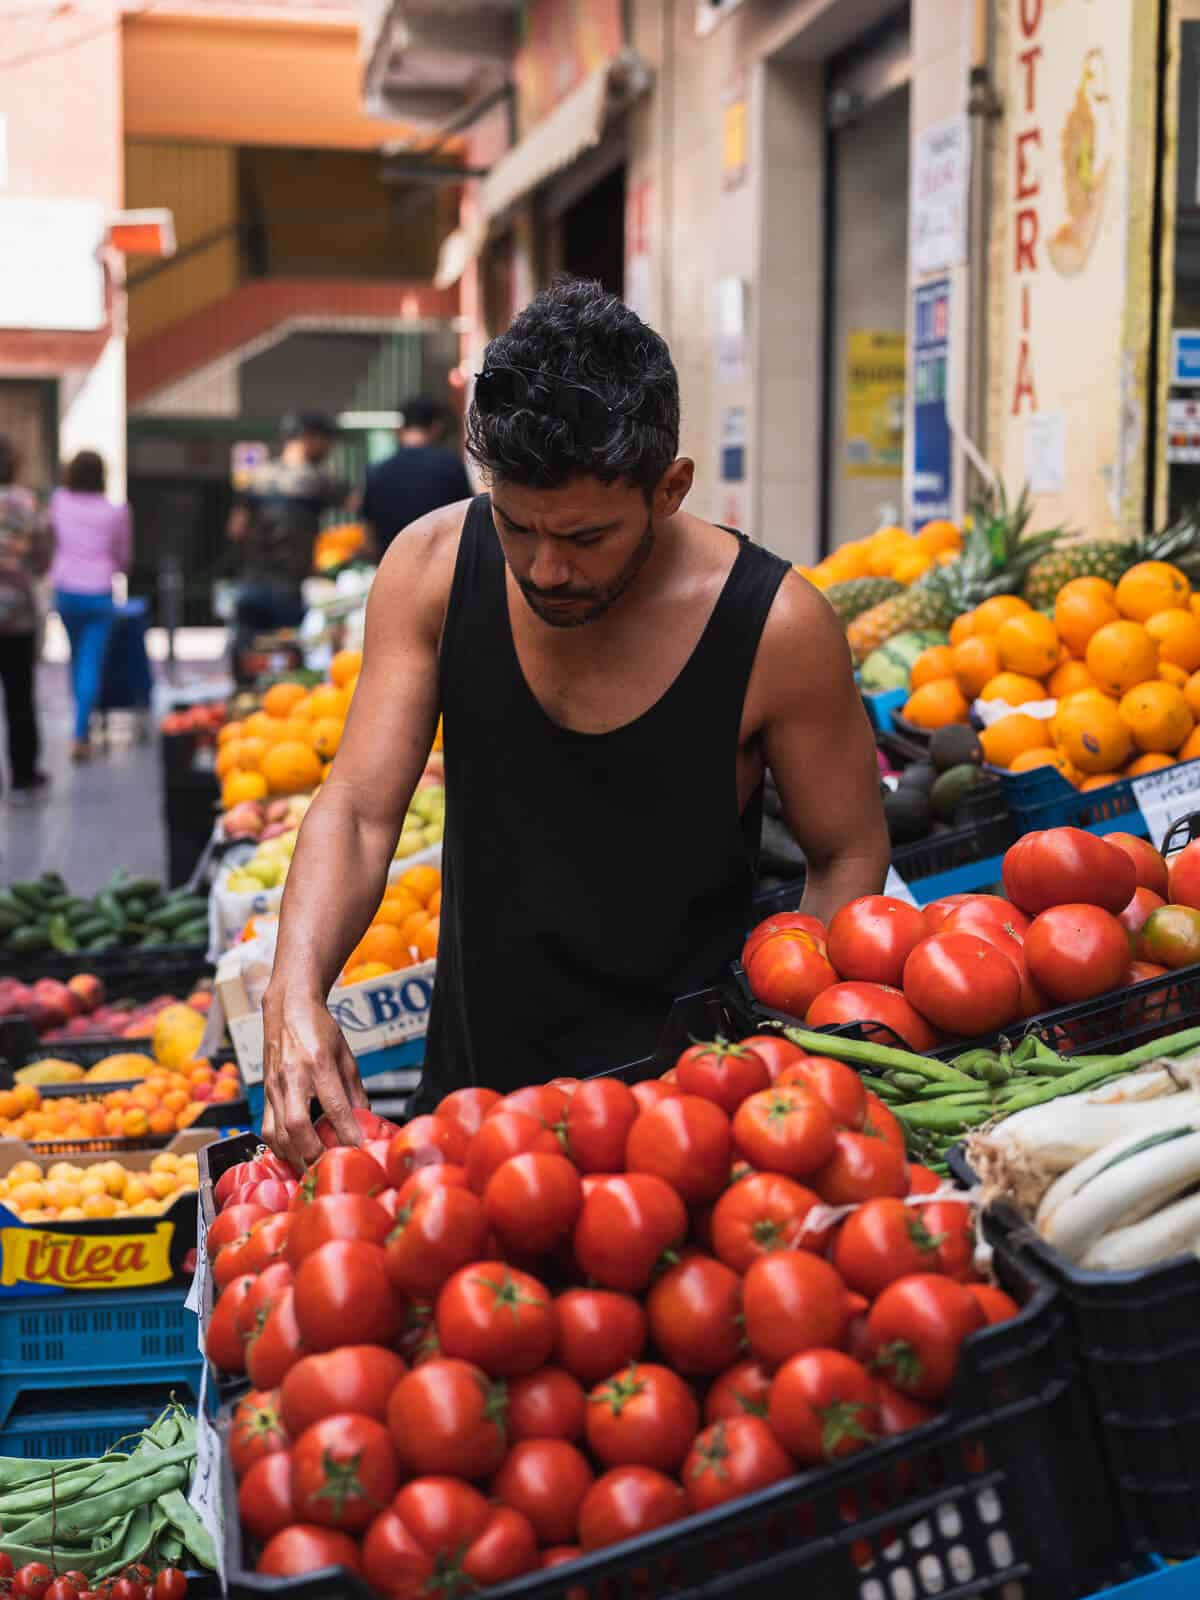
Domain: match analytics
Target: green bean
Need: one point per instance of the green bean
(90, 1513)
(15, 1473)
(873, 1055)
(936, 1116)
(60, 1488)
(191, 1530)
(138, 1539)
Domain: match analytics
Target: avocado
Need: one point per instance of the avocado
(908, 814)
(920, 775)
(955, 746)
(947, 793)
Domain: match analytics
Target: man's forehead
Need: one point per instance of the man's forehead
(584, 502)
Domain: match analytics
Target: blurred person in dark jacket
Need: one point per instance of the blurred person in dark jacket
(26, 550)
(423, 475)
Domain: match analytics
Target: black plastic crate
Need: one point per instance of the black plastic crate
(127, 974)
(1001, 1496)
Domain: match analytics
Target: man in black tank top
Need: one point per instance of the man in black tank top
(615, 675)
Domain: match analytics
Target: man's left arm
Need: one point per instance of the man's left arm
(819, 746)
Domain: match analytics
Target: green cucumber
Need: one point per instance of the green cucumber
(174, 916)
(28, 940)
(152, 940)
(79, 911)
(96, 927)
(195, 932)
(108, 906)
(28, 895)
(136, 910)
(9, 902)
(10, 921)
(137, 889)
(61, 937)
(52, 883)
(106, 941)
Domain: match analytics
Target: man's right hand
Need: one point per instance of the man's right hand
(305, 1055)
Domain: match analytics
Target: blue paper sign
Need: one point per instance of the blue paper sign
(1185, 357)
(929, 494)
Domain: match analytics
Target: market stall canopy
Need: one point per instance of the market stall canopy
(576, 124)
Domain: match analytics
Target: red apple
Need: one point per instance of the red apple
(88, 989)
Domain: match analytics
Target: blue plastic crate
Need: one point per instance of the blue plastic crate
(1043, 798)
(1159, 1581)
(40, 1430)
(882, 707)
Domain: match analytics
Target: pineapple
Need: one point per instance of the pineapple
(1109, 558)
(994, 560)
(856, 595)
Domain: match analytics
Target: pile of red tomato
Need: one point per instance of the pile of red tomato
(527, 1327)
(1084, 915)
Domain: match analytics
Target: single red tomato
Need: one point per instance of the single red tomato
(341, 1171)
(823, 1406)
(787, 972)
(800, 921)
(645, 1415)
(232, 1224)
(1171, 937)
(873, 1002)
(446, 1417)
(505, 1134)
(1135, 915)
(1068, 866)
(356, 1378)
(267, 1288)
(296, 1551)
(794, 1301)
(695, 1315)
(1183, 877)
(275, 1348)
(871, 938)
(722, 1072)
(763, 1212)
(548, 1404)
(784, 1129)
(599, 1116)
(994, 1303)
(425, 1142)
(497, 1317)
(1144, 972)
(687, 1142)
(628, 1502)
(257, 1430)
(170, 1584)
(345, 1286)
(343, 1469)
(742, 1391)
(899, 1412)
(733, 1458)
(936, 912)
(532, 1202)
(653, 1091)
(223, 1342)
(1148, 864)
(467, 1108)
(776, 1051)
(951, 1223)
(545, 1102)
(881, 1122)
(963, 984)
(445, 1176)
(435, 1233)
(64, 1589)
(625, 1226)
(917, 1327)
(921, 1180)
(985, 915)
(883, 1240)
(545, 1480)
(598, 1332)
(862, 1166)
(266, 1242)
(265, 1497)
(838, 1086)
(335, 1216)
(371, 1126)
(1077, 951)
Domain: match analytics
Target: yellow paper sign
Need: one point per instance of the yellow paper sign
(874, 403)
(80, 1261)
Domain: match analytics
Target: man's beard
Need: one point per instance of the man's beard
(580, 606)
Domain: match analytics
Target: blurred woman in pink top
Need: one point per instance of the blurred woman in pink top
(94, 543)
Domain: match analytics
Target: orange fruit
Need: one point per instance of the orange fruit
(1158, 716)
(1042, 755)
(936, 662)
(1191, 693)
(993, 613)
(298, 728)
(435, 903)
(1080, 608)
(421, 882)
(1014, 688)
(1099, 780)
(1092, 734)
(1013, 736)
(10, 1106)
(1177, 635)
(1189, 750)
(326, 735)
(281, 697)
(1028, 644)
(135, 1123)
(1172, 674)
(230, 730)
(976, 663)
(1069, 678)
(1120, 655)
(1151, 586)
(370, 969)
(910, 565)
(939, 535)
(326, 700)
(427, 940)
(250, 752)
(395, 909)
(240, 786)
(227, 759)
(1152, 761)
(382, 944)
(263, 726)
(962, 628)
(345, 665)
(291, 768)
(1194, 605)
(936, 705)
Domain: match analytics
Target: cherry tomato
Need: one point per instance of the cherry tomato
(504, 1134)
(862, 1166)
(884, 1240)
(741, 1392)
(732, 1458)
(61, 1589)
(467, 1108)
(627, 1502)
(784, 1129)
(342, 1286)
(533, 1201)
(596, 1127)
(871, 938)
(343, 1469)
(548, 1404)
(837, 1086)
(546, 1481)
(1077, 951)
(685, 1141)
(335, 1216)
(794, 1301)
(994, 1303)
(276, 1347)
(356, 1378)
(873, 1003)
(447, 1418)
(917, 1328)
(598, 1332)
(296, 1551)
(823, 1406)
(265, 1497)
(436, 1232)
(761, 1213)
(625, 1226)
(722, 1072)
(498, 1317)
(788, 970)
(644, 1416)
(695, 1311)
(256, 1430)
(170, 1584)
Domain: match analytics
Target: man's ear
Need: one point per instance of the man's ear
(673, 488)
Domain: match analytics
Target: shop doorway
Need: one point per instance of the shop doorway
(593, 233)
(866, 311)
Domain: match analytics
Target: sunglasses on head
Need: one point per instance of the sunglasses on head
(509, 388)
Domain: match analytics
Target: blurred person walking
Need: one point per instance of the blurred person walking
(94, 543)
(423, 475)
(26, 549)
(276, 522)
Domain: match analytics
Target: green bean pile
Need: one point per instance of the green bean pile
(101, 1516)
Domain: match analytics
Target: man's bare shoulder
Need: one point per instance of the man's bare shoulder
(418, 567)
(803, 643)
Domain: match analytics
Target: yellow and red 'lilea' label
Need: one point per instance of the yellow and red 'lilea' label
(80, 1261)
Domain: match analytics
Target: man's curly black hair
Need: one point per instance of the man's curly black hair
(577, 330)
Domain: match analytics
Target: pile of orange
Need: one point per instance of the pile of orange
(286, 747)
(889, 552)
(404, 931)
(160, 1105)
(1122, 662)
(66, 1192)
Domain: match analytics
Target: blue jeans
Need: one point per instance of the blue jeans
(88, 619)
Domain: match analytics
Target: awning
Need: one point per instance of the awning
(576, 124)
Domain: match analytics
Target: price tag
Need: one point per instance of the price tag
(192, 1303)
(205, 1495)
(1164, 797)
(895, 886)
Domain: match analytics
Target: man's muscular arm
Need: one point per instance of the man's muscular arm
(339, 870)
(818, 745)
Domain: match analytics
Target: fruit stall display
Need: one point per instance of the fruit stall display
(866, 572)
